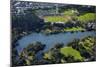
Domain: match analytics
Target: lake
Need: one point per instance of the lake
(52, 39)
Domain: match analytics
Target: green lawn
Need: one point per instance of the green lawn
(67, 15)
(69, 51)
(87, 17)
(56, 18)
(74, 29)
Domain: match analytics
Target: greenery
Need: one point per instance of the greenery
(70, 12)
(86, 47)
(65, 17)
(56, 18)
(76, 51)
(69, 51)
(74, 29)
(28, 55)
(88, 17)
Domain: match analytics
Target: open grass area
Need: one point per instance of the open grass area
(87, 17)
(67, 15)
(69, 51)
(56, 18)
(74, 29)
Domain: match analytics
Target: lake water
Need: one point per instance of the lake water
(52, 39)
